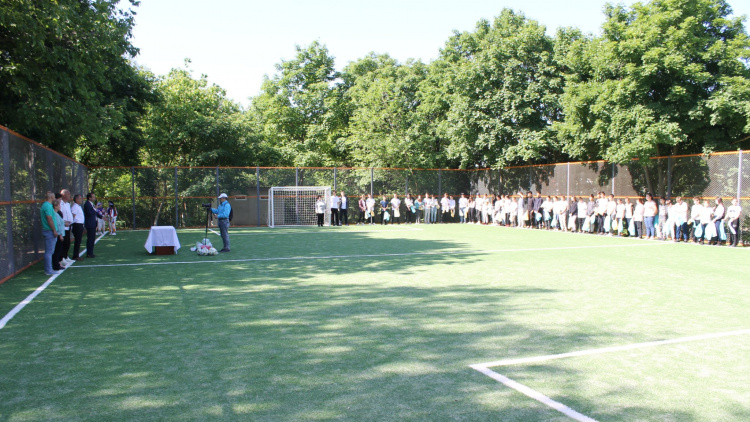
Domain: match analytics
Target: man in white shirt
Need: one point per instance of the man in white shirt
(695, 217)
(335, 202)
(77, 227)
(463, 204)
(445, 206)
(396, 207)
(370, 204)
(68, 221)
(679, 216)
(733, 222)
(343, 217)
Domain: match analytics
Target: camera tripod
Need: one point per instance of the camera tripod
(208, 215)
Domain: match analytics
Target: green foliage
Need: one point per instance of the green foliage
(300, 110)
(385, 122)
(194, 124)
(502, 86)
(667, 77)
(65, 75)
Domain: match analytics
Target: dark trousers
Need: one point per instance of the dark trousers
(361, 217)
(408, 215)
(344, 217)
(320, 219)
(57, 255)
(638, 229)
(734, 238)
(77, 230)
(90, 239)
(334, 216)
(600, 223)
(681, 232)
(66, 244)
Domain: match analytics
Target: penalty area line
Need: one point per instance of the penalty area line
(484, 368)
(385, 255)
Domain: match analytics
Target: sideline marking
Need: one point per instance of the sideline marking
(38, 290)
(484, 367)
(303, 258)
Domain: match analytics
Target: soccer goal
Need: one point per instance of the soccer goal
(295, 205)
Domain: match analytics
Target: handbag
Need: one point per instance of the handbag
(571, 223)
(698, 230)
(631, 227)
(722, 231)
(396, 213)
(387, 216)
(587, 224)
(607, 224)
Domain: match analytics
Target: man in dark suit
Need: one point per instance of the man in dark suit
(89, 222)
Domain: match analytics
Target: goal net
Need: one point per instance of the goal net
(295, 205)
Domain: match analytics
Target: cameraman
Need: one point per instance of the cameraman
(222, 212)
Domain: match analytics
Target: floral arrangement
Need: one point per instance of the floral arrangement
(207, 250)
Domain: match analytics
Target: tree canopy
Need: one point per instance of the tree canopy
(663, 77)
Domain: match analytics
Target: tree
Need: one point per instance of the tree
(385, 122)
(300, 109)
(502, 86)
(65, 75)
(667, 77)
(192, 123)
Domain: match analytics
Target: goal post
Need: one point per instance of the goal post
(295, 205)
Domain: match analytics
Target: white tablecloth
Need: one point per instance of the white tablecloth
(162, 236)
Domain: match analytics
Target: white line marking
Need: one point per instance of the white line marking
(334, 231)
(302, 258)
(484, 367)
(534, 394)
(535, 359)
(36, 292)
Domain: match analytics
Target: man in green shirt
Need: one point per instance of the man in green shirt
(49, 232)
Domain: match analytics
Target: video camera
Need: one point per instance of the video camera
(207, 205)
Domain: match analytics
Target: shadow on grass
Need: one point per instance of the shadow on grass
(367, 338)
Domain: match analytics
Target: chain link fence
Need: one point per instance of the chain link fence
(147, 196)
(27, 171)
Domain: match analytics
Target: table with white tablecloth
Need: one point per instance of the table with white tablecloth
(162, 236)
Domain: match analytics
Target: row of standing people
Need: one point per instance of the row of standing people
(603, 214)
(63, 217)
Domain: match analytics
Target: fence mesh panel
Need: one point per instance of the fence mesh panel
(173, 196)
(28, 172)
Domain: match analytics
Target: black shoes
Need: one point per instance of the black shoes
(224, 250)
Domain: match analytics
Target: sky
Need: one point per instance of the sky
(235, 42)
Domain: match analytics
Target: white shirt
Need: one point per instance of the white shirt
(638, 213)
(67, 214)
(463, 202)
(344, 200)
(370, 202)
(452, 204)
(445, 203)
(77, 213)
(733, 211)
(395, 203)
(679, 212)
(335, 201)
(695, 211)
(320, 207)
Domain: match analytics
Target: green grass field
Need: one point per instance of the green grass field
(375, 323)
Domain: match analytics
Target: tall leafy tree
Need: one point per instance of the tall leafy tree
(385, 127)
(193, 123)
(667, 77)
(65, 75)
(300, 108)
(502, 86)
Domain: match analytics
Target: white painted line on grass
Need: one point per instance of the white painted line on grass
(536, 359)
(36, 292)
(484, 367)
(333, 231)
(534, 394)
(303, 258)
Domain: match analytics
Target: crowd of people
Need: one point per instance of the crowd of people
(705, 221)
(63, 217)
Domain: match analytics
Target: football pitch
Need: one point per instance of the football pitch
(372, 323)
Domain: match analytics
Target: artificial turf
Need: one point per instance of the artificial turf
(371, 323)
